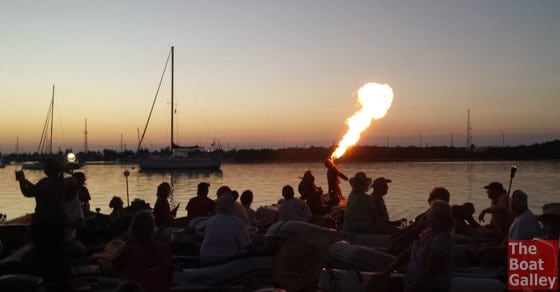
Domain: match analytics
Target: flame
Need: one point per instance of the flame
(375, 100)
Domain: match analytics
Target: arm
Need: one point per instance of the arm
(27, 188)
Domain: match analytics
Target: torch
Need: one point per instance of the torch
(512, 172)
(126, 174)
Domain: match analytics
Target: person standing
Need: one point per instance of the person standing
(49, 219)
(333, 178)
(498, 208)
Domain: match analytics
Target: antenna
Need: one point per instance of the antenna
(469, 129)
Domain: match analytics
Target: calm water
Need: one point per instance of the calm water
(407, 193)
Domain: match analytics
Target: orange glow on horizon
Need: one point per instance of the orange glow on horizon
(375, 100)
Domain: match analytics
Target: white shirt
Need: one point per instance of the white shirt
(525, 227)
(225, 237)
(74, 214)
(294, 209)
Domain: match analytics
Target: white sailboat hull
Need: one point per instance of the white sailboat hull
(173, 162)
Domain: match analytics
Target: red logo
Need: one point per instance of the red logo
(533, 264)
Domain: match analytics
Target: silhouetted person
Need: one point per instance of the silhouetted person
(74, 219)
(550, 219)
(293, 208)
(359, 215)
(143, 259)
(83, 195)
(49, 219)
(201, 205)
(498, 209)
(116, 204)
(312, 194)
(380, 188)
(163, 214)
(246, 200)
(333, 179)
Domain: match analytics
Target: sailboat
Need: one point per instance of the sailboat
(45, 144)
(182, 157)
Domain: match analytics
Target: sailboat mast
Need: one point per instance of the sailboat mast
(172, 101)
(52, 118)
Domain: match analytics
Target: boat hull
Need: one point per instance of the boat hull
(178, 163)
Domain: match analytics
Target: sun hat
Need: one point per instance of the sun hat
(550, 210)
(299, 262)
(360, 181)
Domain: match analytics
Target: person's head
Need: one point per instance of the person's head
(222, 190)
(329, 163)
(234, 195)
(225, 203)
(80, 177)
(440, 216)
(308, 177)
(494, 190)
(469, 208)
(288, 192)
(381, 186)
(116, 203)
(360, 182)
(246, 198)
(518, 202)
(164, 190)
(550, 219)
(438, 193)
(54, 167)
(142, 226)
(72, 189)
(202, 189)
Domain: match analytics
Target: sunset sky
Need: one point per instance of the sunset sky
(279, 73)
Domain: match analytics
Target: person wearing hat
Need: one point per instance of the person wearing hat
(48, 223)
(380, 188)
(501, 216)
(360, 213)
(225, 236)
(201, 205)
(550, 219)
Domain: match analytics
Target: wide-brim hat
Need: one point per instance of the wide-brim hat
(58, 163)
(360, 181)
(550, 210)
(299, 262)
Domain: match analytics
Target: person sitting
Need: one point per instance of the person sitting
(74, 219)
(465, 224)
(225, 236)
(359, 215)
(246, 200)
(116, 204)
(380, 188)
(201, 205)
(402, 239)
(143, 259)
(84, 195)
(429, 258)
(163, 214)
(312, 194)
(239, 210)
(524, 227)
(293, 208)
(550, 219)
(501, 215)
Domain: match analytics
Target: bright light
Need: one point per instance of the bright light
(375, 100)
(71, 157)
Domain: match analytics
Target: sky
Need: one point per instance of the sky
(273, 74)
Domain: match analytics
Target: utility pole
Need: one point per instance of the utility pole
(469, 129)
(85, 138)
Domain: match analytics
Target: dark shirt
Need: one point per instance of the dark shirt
(200, 207)
(162, 213)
